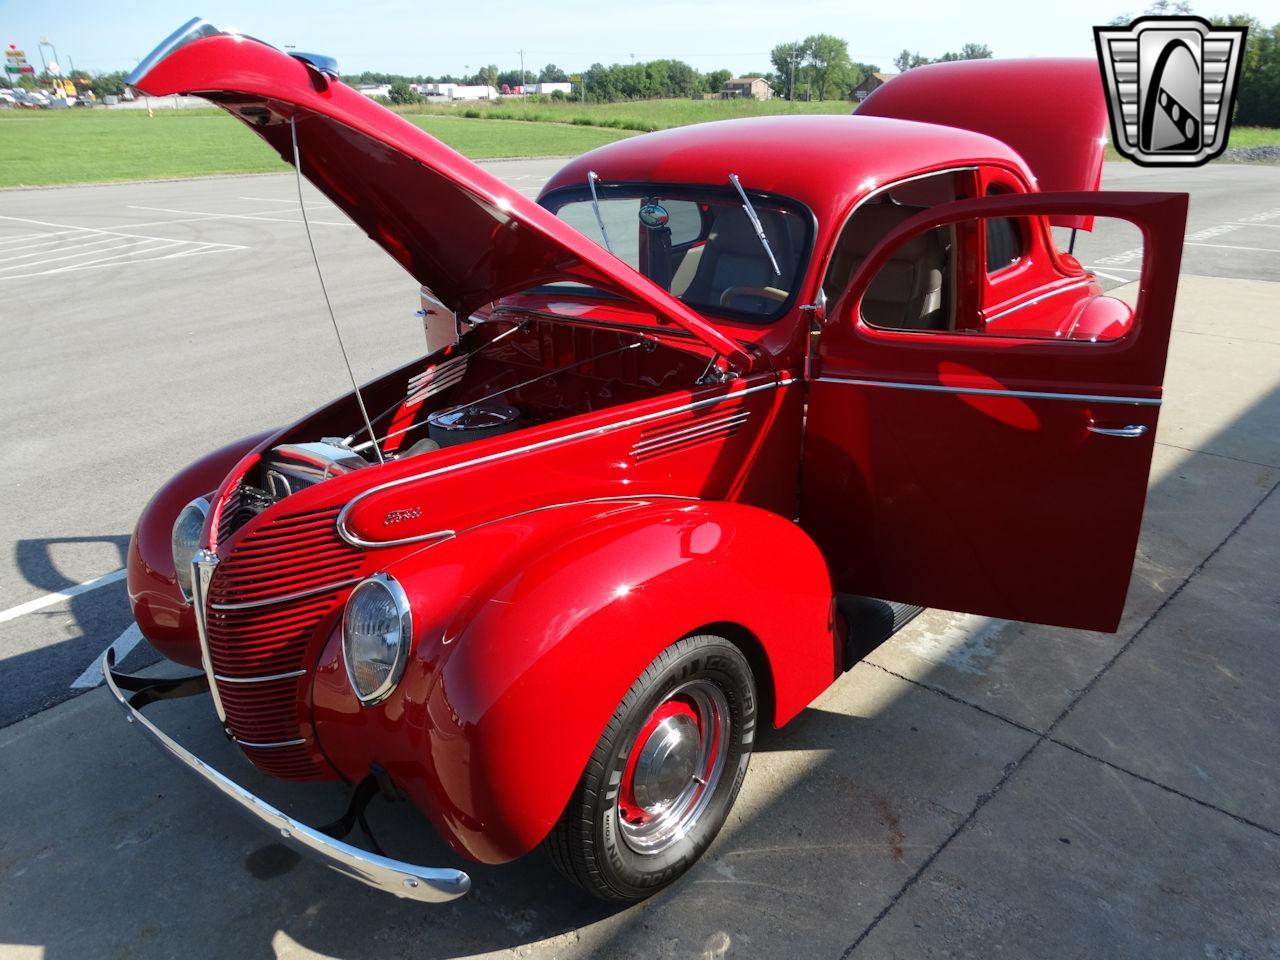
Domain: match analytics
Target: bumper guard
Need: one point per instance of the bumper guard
(406, 880)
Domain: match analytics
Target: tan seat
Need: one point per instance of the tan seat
(734, 258)
(909, 291)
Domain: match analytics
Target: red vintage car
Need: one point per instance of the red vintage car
(727, 406)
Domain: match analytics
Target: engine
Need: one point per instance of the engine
(292, 467)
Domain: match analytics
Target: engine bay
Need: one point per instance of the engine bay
(510, 372)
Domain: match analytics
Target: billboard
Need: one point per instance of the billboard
(15, 62)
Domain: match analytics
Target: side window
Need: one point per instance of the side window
(915, 289)
(1004, 240)
(935, 282)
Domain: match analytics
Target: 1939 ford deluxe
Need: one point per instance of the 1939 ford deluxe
(722, 411)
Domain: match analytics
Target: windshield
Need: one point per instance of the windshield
(698, 244)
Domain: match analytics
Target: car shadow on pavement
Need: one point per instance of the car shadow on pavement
(45, 650)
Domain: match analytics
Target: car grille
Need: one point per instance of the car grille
(269, 595)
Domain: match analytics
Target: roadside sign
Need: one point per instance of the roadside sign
(15, 62)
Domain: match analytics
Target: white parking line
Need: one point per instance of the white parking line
(49, 599)
(293, 200)
(1099, 273)
(123, 646)
(242, 216)
(114, 243)
(1227, 246)
(122, 245)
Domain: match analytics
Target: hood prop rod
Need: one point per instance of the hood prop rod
(297, 170)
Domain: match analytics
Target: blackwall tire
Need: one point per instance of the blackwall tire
(664, 775)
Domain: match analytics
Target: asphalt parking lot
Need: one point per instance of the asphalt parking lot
(975, 788)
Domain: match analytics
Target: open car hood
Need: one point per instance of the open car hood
(454, 227)
(1051, 111)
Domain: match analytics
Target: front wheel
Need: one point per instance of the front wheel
(664, 775)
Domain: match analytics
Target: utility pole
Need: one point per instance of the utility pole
(522, 78)
(792, 95)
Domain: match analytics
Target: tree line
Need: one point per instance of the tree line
(818, 67)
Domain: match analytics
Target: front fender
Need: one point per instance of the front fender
(162, 615)
(557, 614)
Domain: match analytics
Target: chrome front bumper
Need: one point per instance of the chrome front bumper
(407, 880)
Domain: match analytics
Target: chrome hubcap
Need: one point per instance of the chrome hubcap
(674, 767)
(667, 763)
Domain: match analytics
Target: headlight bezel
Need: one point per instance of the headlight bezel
(404, 612)
(182, 571)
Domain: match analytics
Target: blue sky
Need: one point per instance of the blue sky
(438, 36)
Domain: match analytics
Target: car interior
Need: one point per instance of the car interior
(914, 289)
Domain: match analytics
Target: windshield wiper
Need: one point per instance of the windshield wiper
(755, 222)
(595, 205)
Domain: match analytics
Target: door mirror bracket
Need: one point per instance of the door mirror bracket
(817, 311)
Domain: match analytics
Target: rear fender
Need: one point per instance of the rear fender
(506, 696)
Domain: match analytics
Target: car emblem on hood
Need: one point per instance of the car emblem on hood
(1171, 84)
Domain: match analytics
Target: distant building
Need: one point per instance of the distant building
(457, 91)
(546, 89)
(757, 88)
(873, 82)
(476, 92)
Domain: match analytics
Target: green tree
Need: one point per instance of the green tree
(683, 79)
(552, 74)
(108, 84)
(906, 60)
(1258, 88)
(402, 93)
(714, 81)
(970, 51)
(512, 78)
(787, 59)
(828, 61)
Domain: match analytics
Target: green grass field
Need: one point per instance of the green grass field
(637, 115)
(45, 147)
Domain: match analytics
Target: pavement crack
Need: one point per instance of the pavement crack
(948, 695)
(1009, 771)
(1219, 456)
(1168, 789)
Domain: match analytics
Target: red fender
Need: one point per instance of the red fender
(163, 616)
(556, 613)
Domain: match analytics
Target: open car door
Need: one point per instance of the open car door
(956, 467)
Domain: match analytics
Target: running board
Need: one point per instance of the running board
(870, 622)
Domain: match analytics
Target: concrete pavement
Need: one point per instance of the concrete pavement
(975, 789)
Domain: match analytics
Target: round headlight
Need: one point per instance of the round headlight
(186, 541)
(376, 630)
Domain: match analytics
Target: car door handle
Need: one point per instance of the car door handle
(1132, 430)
